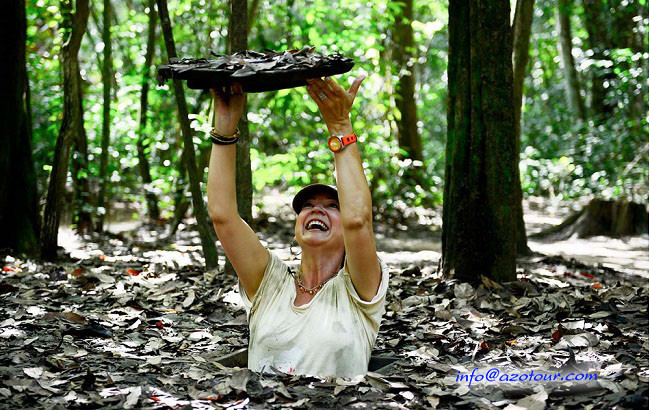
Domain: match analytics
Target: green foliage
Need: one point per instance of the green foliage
(606, 156)
(559, 156)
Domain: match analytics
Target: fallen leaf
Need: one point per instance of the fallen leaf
(239, 379)
(155, 360)
(588, 275)
(579, 340)
(338, 389)
(601, 314)
(533, 402)
(73, 317)
(464, 291)
(408, 395)
(424, 352)
(462, 390)
(191, 295)
(202, 334)
(490, 284)
(433, 401)
(133, 397)
(35, 372)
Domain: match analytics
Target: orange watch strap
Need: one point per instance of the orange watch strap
(348, 139)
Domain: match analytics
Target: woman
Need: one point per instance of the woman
(323, 319)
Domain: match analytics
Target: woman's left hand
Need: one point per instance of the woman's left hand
(334, 102)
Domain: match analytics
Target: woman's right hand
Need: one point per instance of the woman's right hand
(228, 105)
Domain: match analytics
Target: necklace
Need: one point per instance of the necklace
(313, 290)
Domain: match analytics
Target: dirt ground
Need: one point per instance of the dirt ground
(420, 244)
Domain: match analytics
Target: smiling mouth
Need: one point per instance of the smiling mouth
(316, 225)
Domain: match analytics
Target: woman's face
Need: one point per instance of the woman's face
(319, 223)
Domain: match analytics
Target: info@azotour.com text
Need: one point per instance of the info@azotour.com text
(495, 375)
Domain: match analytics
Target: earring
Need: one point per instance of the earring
(291, 248)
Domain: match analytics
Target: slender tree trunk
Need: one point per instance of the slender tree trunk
(80, 171)
(404, 62)
(522, 28)
(19, 219)
(181, 203)
(595, 15)
(640, 103)
(143, 141)
(28, 109)
(189, 156)
(252, 13)
(479, 225)
(82, 208)
(106, 76)
(74, 27)
(573, 90)
(120, 43)
(610, 25)
(521, 37)
(238, 41)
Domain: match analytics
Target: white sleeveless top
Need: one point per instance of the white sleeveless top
(332, 335)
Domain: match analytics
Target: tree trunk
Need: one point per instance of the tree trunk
(189, 156)
(238, 37)
(143, 141)
(106, 77)
(82, 208)
(479, 225)
(80, 170)
(181, 203)
(74, 27)
(252, 14)
(595, 15)
(239, 42)
(19, 219)
(601, 217)
(521, 31)
(573, 95)
(404, 63)
(639, 104)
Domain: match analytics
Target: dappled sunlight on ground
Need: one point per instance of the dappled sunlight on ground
(629, 254)
(397, 244)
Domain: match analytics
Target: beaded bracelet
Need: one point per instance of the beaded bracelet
(219, 139)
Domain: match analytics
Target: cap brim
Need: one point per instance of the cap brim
(309, 191)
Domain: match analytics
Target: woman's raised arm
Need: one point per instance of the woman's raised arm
(239, 241)
(354, 195)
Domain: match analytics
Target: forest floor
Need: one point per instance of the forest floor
(126, 320)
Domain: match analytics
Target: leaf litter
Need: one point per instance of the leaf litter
(88, 332)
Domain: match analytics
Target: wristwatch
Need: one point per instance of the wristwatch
(338, 142)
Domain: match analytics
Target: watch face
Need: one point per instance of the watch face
(334, 144)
